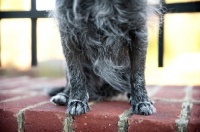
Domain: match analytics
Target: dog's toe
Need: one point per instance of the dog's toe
(144, 108)
(77, 107)
(59, 99)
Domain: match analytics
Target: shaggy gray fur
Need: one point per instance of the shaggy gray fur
(105, 44)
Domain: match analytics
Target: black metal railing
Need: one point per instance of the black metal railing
(189, 7)
(33, 14)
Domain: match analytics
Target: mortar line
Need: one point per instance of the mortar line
(26, 80)
(7, 81)
(20, 115)
(123, 120)
(19, 97)
(24, 88)
(195, 101)
(182, 122)
(188, 91)
(154, 91)
(14, 91)
(168, 100)
(69, 119)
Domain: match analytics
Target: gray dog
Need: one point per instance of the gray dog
(105, 44)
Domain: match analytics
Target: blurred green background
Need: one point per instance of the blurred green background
(181, 56)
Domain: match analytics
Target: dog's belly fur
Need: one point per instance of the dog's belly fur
(104, 43)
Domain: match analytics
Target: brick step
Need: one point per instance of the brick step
(25, 107)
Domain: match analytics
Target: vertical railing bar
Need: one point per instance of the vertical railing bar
(161, 37)
(34, 41)
(33, 5)
(0, 42)
(161, 44)
(0, 38)
(33, 35)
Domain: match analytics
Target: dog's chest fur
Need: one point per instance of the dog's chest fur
(100, 24)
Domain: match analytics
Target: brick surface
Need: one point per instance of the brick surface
(8, 96)
(171, 92)
(13, 79)
(23, 103)
(45, 118)
(194, 122)
(104, 116)
(8, 120)
(15, 84)
(163, 120)
(60, 82)
(9, 110)
(30, 82)
(196, 93)
(150, 88)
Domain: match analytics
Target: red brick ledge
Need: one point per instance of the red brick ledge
(25, 107)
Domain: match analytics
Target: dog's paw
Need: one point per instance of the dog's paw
(144, 108)
(77, 107)
(60, 99)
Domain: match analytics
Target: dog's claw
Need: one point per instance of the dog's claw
(144, 108)
(77, 107)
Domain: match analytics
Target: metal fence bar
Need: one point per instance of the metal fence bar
(33, 14)
(183, 7)
(34, 42)
(33, 35)
(189, 7)
(161, 43)
(0, 42)
(23, 14)
(161, 37)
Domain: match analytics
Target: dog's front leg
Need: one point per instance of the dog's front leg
(138, 98)
(78, 97)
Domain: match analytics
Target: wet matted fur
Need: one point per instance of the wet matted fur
(105, 44)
